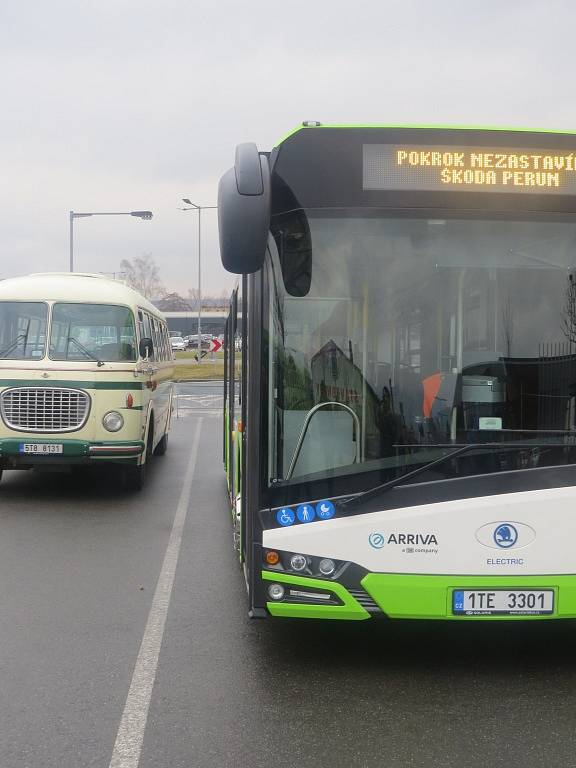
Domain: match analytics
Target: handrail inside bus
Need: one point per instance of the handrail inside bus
(304, 429)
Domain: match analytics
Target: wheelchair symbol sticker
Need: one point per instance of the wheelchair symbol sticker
(285, 516)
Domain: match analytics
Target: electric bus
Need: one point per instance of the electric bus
(85, 375)
(400, 416)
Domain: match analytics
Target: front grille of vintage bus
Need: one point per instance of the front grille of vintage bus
(44, 409)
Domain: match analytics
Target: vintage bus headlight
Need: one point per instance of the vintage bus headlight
(113, 421)
(298, 562)
(276, 591)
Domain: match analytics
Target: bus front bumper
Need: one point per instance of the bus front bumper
(409, 596)
(14, 455)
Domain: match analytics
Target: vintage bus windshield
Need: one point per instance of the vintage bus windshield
(22, 330)
(101, 332)
(397, 337)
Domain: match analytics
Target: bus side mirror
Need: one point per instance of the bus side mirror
(244, 211)
(145, 348)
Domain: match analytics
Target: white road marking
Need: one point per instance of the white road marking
(130, 735)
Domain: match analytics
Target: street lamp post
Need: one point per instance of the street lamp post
(199, 208)
(75, 215)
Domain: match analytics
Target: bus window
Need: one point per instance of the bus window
(22, 330)
(98, 332)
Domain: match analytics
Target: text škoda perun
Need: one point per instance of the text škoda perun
(481, 168)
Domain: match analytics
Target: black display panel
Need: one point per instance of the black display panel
(335, 168)
(465, 168)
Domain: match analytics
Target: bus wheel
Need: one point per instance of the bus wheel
(1, 470)
(135, 477)
(162, 446)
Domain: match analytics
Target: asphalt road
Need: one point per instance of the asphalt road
(80, 616)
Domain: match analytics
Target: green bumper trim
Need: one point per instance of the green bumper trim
(424, 126)
(71, 448)
(350, 610)
(411, 596)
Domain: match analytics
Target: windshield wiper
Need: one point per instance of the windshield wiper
(14, 343)
(86, 351)
(390, 484)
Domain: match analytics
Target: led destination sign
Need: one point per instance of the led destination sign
(475, 169)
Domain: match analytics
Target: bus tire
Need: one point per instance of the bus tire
(1, 471)
(135, 475)
(162, 446)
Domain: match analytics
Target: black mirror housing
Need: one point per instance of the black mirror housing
(244, 211)
(146, 347)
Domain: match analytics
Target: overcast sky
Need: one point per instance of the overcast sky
(133, 104)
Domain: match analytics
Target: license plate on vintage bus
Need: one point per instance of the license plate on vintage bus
(502, 602)
(41, 448)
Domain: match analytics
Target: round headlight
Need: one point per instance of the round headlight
(113, 421)
(298, 562)
(326, 566)
(276, 591)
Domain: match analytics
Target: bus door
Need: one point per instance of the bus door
(233, 417)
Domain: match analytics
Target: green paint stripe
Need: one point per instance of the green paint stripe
(413, 596)
(429, 127)
(108, 385)
(351, 610)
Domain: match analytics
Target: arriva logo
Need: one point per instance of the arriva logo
(377, 540)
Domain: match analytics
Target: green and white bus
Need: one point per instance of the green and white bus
(400, 436)
(86, 374)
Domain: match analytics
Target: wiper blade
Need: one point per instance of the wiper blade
(86, 351)
(14, 343)
(390, 484)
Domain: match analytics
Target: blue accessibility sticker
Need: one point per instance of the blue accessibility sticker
(306, 513)
(325, 510)
(285, 516)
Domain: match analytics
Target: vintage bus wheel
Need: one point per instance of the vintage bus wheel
(135, 476)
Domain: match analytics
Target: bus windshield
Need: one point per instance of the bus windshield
(397, 338)
(100, 332)
(22, 330)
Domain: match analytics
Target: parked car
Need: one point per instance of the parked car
(177, 343)
(193, 342)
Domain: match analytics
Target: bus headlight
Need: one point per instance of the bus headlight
(276, 591)
(298, 562)
(113, 421)
(326, 566)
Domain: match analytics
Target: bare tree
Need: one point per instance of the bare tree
(142, 274)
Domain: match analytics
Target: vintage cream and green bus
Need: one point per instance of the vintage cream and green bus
(85, 375)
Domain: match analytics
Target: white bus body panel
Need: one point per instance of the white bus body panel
(452, 537)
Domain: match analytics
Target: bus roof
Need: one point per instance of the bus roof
(305, 127)
(66, 286)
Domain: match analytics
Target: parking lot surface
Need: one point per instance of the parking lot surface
(81, 615)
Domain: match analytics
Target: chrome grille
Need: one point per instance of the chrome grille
(44, 409)
(365, 600)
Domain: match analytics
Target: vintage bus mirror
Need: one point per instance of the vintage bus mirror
(145, 348)
(244, 211)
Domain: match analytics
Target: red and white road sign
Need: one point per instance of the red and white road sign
(215, 345)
